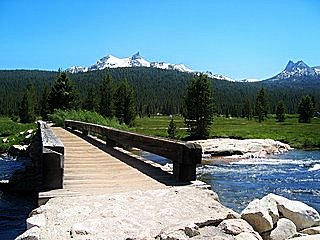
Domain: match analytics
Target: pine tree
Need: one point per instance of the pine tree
(27, 106)
(280, 112)
(306, 109)
(106, 106)
(125, 103)
(199, 107)
(261, 108)
(45, 108)
(172, 129)
(90, 103)
(62, 95)
(247, 110)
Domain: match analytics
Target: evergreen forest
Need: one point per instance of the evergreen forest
(157, 91)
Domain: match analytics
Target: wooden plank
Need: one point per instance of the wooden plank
(185, 156)
(178, 151)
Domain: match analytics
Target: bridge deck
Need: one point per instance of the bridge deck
(97, 169)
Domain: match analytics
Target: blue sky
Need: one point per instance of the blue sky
(239, 39)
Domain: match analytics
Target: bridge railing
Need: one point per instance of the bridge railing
(52, 164)
(184, 155)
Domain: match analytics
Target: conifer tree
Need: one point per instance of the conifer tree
(106, 105)
(27, 105)
(90, 102)
(306, 109)
(199, 107)
(62, 95)
(261, 108)
(125, 103)
(172, 128)
(247, 110)
(44, 105)
(280, 112)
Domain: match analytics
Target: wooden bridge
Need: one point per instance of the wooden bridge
(75, 163)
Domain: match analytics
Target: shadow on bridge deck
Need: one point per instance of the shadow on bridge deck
(147, 167)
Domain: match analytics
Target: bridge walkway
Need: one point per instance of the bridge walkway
(91, 167)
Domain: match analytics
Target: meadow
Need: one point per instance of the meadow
(298, 135)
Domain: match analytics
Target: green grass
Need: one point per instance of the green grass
(298, 135)
(59, 116)
(158, 126)
(12, 133)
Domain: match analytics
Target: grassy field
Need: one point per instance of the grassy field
(298, 135)
(12, 133)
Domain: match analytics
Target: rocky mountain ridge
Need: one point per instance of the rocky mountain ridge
(294, 71)
(135, 60)
(297, 71)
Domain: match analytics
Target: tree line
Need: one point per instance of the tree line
(156, 91)
(112, 101)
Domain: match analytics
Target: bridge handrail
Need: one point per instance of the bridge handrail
(52, 160)
(184, 155)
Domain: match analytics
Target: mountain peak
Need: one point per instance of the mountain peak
(136, 56)
(296, 70)
(289, 66)
(135, 60)
(300, 65)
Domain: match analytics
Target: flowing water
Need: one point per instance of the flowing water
(294, 174)
(14, 207)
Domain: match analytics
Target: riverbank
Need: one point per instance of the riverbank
(241, 149)
(179, 213)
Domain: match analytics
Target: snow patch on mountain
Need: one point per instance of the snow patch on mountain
(134, 61)
(219, 76)
(249, 80)
(76, 69)
(317, 70)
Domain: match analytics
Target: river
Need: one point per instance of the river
(295, 174)
(14, 207)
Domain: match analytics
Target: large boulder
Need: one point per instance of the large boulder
(284, 230)
(261, 214)
(237, 226)
(302, 215)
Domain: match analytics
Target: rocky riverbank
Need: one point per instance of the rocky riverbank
(171, 213)
(247, 148)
